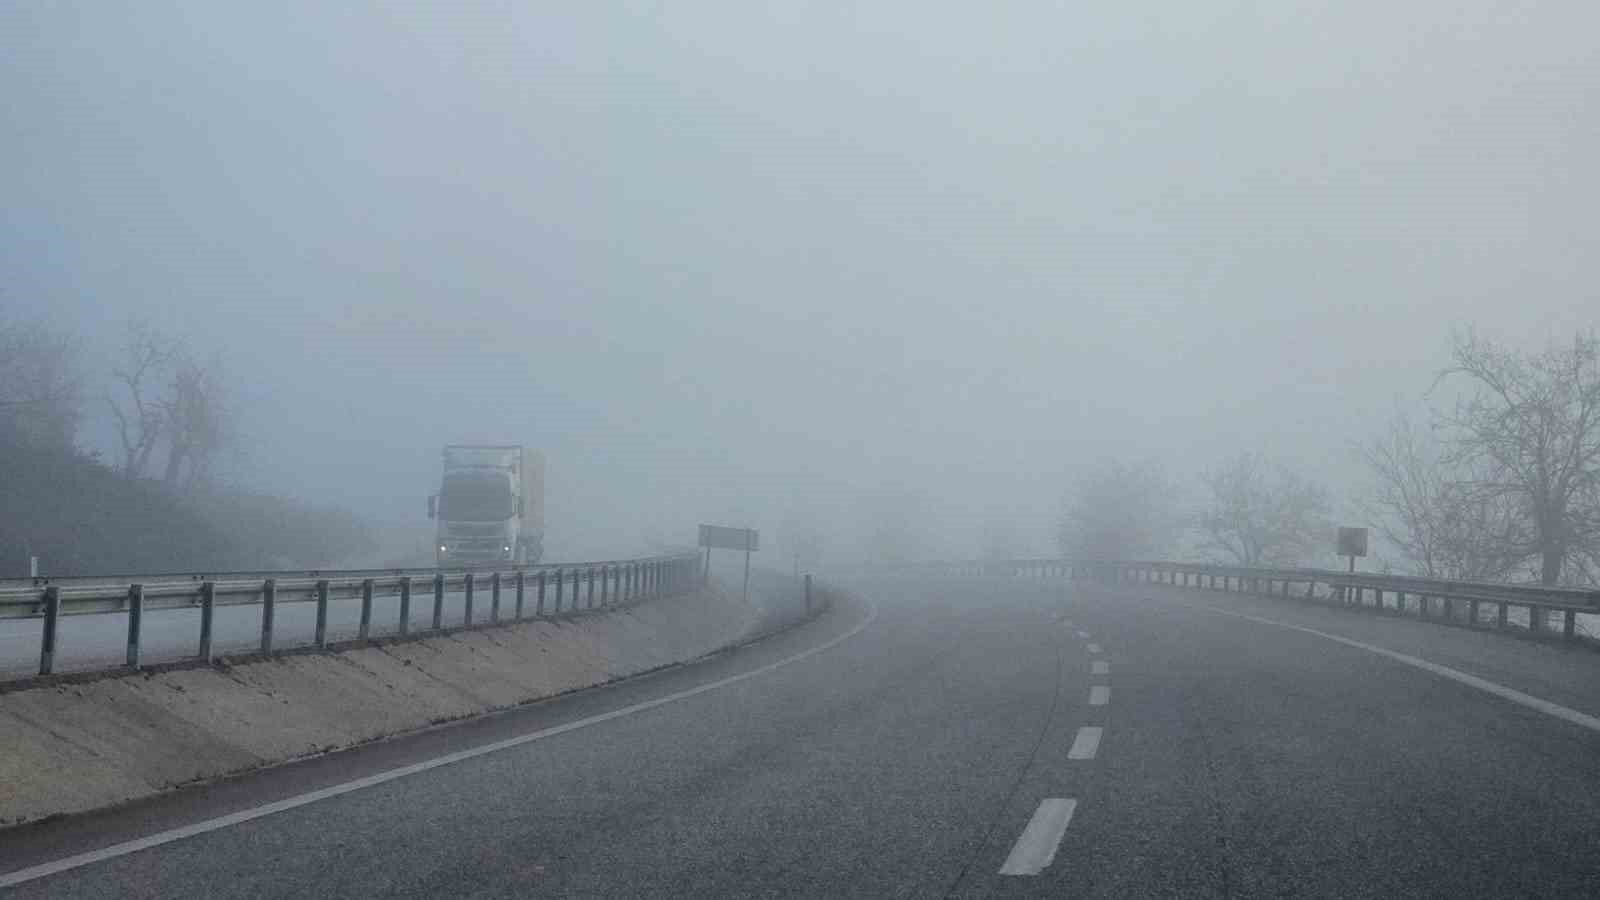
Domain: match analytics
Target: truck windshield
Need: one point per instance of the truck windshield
(476, 498)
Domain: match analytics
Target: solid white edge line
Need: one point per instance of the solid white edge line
(1036, 847)
(1099, 695)
(1087, 743)
(1583, 720)
(1100, 667)
(11, 879)
(1094, 648)
(1082, 634)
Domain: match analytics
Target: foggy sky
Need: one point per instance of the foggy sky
(724, 261)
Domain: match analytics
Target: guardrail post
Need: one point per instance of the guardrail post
(322, 613)
(588, 575)
(466, 620)
(135, 622)
(1472, 613)
(47, 639)
(438, 600)
(521, 578)
(539, 609)
(1536, 619)
(366, 608)
(605, 585)
(269, 608)
(1569, 625)
(405, 605)
(494, 598)
(561, 586)
(1501, 621)
(208, 602)
(1449, 609)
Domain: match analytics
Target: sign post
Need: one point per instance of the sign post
(746, 539)
(1352, 543)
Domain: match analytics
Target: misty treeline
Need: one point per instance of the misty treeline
(159, 504)
(1495, 477)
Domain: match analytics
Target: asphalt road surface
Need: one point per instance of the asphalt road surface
(940, 737)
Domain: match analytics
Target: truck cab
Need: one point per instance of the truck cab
(490, 505)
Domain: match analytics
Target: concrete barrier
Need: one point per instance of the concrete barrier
(77, 745)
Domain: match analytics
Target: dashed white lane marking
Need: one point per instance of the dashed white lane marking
(1100, 667)
(1036, 848)
(1099, 695)
(1583, 720)
(1086, 744)
(1094, 648)
(75, 861)
(1083, 634)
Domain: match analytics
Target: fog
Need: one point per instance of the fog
(744, 263)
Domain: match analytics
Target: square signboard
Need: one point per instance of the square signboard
(1352, 542)
(721, 538)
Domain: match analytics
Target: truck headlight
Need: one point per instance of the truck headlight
(443, 549)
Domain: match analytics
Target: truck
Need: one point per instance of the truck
(490, 505)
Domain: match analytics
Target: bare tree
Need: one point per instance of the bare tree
(197, 423)
(148, 354)
(1529, 430)
(1263, 513)
(41, 388)
(1118, 510)
(1431, 512)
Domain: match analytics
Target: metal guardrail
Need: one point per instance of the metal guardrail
(1430, 598)
(536, 591)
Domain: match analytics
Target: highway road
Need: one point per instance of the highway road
(938, 737)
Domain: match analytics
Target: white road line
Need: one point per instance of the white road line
(1036, 848)
(1094, 648)
(79, 860)
(1583, 720)
(1099, 695)
(1083, 634)
(1100, 667)
(1084, 746)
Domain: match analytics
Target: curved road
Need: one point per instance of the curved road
(940, 737)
